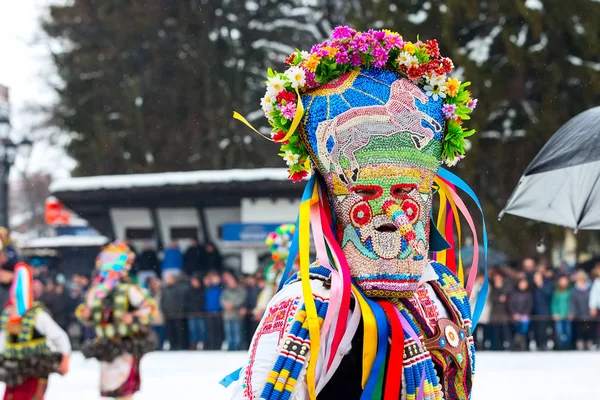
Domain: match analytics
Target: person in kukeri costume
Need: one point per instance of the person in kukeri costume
(278, 242)
(376, 316)
(32, 345)
(120, 312)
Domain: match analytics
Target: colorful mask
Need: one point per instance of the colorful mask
(376, 139)
(21, 292)
(113, 263)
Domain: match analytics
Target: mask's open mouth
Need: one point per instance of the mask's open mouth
(386, 228)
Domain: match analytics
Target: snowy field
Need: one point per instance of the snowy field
(194, 375)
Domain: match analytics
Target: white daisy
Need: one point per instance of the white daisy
(304, 54)
(407, 59)
(275, 84)
(297, 76)
(436, 80)
(267, 103)
(435, 92)
(291, 158)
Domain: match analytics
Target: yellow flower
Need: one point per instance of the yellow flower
(312, 62)
(452, 87)
(332, 50)
(409, 48)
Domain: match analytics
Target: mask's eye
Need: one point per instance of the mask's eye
(402, 190)
(368, 192)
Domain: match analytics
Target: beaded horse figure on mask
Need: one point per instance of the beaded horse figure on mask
(375, 116)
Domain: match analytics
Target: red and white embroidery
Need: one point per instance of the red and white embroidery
(277, 319)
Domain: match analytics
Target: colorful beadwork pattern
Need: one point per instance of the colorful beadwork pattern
(348, 51)
(293, 356)
(25, 345)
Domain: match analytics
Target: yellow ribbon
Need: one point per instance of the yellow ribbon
(369, 336)
(446, 191)
(441, 225)
(309, 301)
(295, 122)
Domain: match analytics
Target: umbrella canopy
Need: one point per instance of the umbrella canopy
(561, 186)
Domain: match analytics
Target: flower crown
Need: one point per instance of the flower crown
(348, 50)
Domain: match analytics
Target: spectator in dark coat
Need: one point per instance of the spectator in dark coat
(580, 311)
(520, 306)
(172, 258)
(499, 320)
(232, 301)
(194, 308)
(63, 314)
(542, 297)
(212, 258)
(193, 258)
(212, 304)
(250, 323)
(148, 264)
(172, 304)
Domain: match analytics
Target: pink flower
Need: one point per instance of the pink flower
(356, 60)
(378, 35)
(341, 57)
(361, 42)
(392, 41)
(472, 104)
(381, 56)
(343, 32)
(289, 111)
(310, 80)
(449, 111)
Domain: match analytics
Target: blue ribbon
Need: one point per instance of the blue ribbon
(382, 343)
(294, 247)
(481, 297)
(232, 377)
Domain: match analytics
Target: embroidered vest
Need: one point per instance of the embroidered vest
(107, 314)
(22, 339)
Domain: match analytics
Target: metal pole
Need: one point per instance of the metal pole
(4, 189)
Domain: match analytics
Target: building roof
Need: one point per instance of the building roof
(167, 179)
(66, 241)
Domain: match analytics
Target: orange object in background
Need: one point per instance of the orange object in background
(55, 212)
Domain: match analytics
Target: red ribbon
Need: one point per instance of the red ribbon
(393, 378)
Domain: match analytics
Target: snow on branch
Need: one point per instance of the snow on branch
(275, 46)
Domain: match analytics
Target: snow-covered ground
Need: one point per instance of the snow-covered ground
(194, 375)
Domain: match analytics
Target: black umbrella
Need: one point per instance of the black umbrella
(562, 184)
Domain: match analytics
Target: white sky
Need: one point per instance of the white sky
(25, 67)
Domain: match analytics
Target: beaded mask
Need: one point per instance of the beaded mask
(376, 138)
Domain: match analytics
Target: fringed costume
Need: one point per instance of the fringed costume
(278, 242)
(120, 312)
(382, 313)
(32, 345)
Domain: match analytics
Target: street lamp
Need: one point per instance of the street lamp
(8, 154)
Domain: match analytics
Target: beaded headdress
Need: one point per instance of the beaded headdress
(278, 242)
(113, 264)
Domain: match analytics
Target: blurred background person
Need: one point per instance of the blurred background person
(172, 303)
(580, 311)
(232, 300)
(147, 264)
(158, 321)
(192, 259)
(212, 305)
(541, 319)
(520, 305)
(594, 303)
(560, 307)
(499, 320)
(194, 310)
(172, 259)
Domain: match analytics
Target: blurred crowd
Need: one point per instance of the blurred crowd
(202, 306)
(537, 307)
